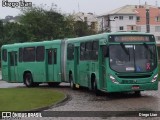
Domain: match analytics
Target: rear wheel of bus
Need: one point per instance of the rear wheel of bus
(28, 80)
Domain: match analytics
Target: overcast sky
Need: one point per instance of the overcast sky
(69, 6)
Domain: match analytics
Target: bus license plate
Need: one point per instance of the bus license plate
(135, 87)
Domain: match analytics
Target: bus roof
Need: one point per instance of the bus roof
(27, 44)
(85, 38)
(104, 36)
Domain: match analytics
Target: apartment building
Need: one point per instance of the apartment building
(90, 18)
(143, 18)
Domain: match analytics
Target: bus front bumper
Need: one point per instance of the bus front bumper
(132, 87)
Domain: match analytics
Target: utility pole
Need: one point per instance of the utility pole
(78, 8)
(147, 20)
(102, 25)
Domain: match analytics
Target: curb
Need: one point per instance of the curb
(66, 98)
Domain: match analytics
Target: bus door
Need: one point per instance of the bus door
(103, 67)
(76, 64)
(13, 75)
(53, 66)
(49, 65)
(56, 64)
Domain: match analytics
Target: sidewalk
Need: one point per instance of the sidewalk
(4, 84)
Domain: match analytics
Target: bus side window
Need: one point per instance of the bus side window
(50, 56)
(11, 58)
(70, 51)
(55, 55)
(88, 50)
(4, 55)
(158, 53)
(95, 47)
(29, 54)
(82, 51)
(20, 54)
(15, 58)
(40, 53)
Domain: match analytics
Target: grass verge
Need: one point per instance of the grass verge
(24, 99)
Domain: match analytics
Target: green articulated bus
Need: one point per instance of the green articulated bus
(110, 62)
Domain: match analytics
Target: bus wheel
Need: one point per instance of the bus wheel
(72, 85)
(53, 84)
(28, 80)
(137, 93)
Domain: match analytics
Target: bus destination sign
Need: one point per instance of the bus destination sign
(131, 39)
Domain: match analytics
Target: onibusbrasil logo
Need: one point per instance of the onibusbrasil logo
(18, 115)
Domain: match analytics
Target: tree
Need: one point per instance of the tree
(81, 28)
(1, 30)
(46, 24)
(14, 32)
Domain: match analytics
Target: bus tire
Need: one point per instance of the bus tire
(28, 80)
(53, 84)
(72, 85)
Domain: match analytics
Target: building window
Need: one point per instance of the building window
(121, 28)
(93, 25)
(132, 27)
(130, 17)
(157, 19)
(120, 17)
(85, 18)
(157, 29)
(158, 38)
(138, 19)
(139, 28)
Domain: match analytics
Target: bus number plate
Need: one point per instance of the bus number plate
(135, 87)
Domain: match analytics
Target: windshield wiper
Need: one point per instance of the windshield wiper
(126, 51)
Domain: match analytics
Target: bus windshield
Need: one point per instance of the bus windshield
(132, 58)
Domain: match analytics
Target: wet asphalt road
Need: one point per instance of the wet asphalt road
(84, 100)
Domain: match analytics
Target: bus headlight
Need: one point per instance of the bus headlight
(154, 78)
(113, 79)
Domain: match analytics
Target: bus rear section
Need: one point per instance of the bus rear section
(132, 63)
(32, 63)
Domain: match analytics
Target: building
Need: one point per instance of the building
(142, 18)
(90, 18)
(11, 19)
